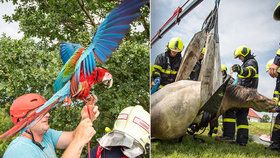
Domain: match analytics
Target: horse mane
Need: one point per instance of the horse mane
(240, 93)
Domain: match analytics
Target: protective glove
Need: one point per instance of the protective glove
(157, 80)
(236, 68)
(277, 109)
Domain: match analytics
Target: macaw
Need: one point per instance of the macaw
(76, 77)
(79, 88)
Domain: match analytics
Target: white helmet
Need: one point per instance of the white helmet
(132, 130)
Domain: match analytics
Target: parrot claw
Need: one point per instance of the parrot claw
(67, 101)
(91, 98)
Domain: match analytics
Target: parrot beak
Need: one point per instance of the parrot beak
(107, 80)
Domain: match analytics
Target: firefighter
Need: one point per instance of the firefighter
(229, 120)
(272, 68)
(196, 70)
(275, 138)
(247, 77)
(167, 64)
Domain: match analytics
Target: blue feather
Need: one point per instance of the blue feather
(100, 55)
(122, 21)
(67, 50)
(108, 35)
(107, 52)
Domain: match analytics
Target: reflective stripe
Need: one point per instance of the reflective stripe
(157, 73)
(241, 72)
(229, 120)
(249, 72)
(165, 71)
(242, 127)
(276, 126)
(275, 92)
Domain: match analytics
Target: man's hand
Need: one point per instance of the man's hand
(273, 70)
(84, 132)
(236, 68)
(90, 108)
(157, 80)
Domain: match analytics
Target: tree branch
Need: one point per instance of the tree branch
(82, 5)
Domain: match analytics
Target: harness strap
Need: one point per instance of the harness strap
(35, 142)
(99, 151)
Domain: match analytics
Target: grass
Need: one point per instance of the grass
(213, 149)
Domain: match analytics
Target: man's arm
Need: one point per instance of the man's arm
(273, 68)
(83, 133)
(67, 137)
(157, 67)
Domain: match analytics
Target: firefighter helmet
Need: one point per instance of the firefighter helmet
(242, 51)
(176, 44)
(278, 52)
(223, 67)
(276, 14)
(135, 122)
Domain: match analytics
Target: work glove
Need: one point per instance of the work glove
(157, 80)
(236, 68)
(277, 109)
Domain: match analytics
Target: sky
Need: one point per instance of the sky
(10, 29)
(248, 22)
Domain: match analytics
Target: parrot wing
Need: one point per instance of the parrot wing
(108, 36)
(67, 50)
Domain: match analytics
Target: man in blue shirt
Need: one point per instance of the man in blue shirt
(39, 141)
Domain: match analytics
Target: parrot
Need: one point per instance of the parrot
(79, 71)
(80, 89)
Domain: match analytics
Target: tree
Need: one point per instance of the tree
(66, 20)
(265, 118)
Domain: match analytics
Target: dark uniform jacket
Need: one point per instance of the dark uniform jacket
(249, 75)
(276, 94)
(166, 68)
(196, 70)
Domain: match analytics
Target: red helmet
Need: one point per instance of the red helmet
(24, 104)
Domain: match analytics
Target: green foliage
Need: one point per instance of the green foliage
(64, 20)
(26, 67)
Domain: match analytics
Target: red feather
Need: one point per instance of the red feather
(86, 82)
